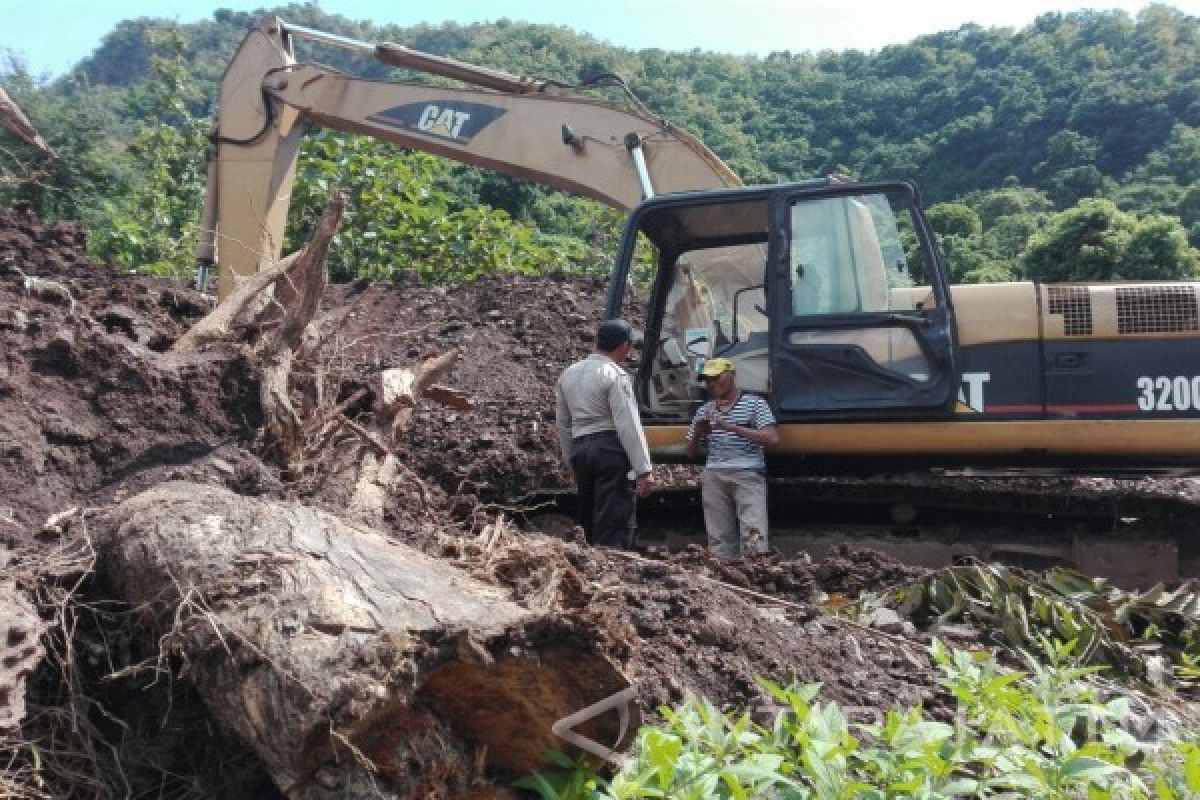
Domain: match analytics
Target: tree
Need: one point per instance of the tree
(1007, 240)
(1079, 105)
(994, 204)
(82, 126)
(154, 226)
(1189, 212)
(1069, 186)
(397, 220)
(1181, 154)
(1095, 241)
(968, 262)
(1084, 243)
(954, 219)
(1158, 250)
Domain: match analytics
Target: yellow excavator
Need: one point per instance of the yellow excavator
(829, 295)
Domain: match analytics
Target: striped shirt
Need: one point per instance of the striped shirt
(727, 450)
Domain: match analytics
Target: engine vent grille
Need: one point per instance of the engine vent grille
(1157, 309)
(1075, 305)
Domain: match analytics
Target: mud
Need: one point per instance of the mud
(93, 410)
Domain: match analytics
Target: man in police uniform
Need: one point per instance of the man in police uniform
(601, 437)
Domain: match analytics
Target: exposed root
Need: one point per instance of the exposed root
(50, 291)
(73, 742)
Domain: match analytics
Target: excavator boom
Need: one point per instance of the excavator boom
(534, 130)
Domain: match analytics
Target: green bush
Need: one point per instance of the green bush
(1044, 733)
(153, 225)
(398, 219)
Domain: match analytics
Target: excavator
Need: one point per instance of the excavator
(830, 295)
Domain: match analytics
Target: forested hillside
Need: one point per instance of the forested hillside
(1067, 149)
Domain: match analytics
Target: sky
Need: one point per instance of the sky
(52, 35)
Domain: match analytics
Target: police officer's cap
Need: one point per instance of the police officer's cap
(612, 333)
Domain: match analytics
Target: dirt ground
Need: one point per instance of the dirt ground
(84, 422)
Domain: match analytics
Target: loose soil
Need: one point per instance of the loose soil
(86, 419)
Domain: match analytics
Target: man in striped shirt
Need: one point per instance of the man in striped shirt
(735, 427)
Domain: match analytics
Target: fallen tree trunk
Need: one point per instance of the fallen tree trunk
(352, 664)
(13, 118)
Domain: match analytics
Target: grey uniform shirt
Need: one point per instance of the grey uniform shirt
(595, 395)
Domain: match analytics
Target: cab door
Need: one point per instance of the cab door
(861, 324)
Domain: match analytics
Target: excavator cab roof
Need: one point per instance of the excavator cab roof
(683, 221)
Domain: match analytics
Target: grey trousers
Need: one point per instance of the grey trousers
(735, 511)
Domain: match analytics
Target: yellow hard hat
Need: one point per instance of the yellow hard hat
(716, 366)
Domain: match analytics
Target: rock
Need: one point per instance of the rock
(221, 465)
(14, 319)
(886, 620)
(1157, 671)
(816, 628)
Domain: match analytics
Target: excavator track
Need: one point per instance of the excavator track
(1133, 532)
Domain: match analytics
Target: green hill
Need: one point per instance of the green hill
(1013, 124)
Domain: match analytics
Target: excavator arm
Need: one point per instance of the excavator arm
(534, 130)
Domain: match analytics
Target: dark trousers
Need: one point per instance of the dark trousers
(606, 496)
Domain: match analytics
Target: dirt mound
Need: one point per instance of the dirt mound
(681, 629)
(81, 416)
(850, 571)
(516, 335)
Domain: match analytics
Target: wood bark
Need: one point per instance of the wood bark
(298, 281)
(300, 303)
(350, 663)
(400, 389)
(397, 394)
(20, 652)
(14, 119)
(219, 324)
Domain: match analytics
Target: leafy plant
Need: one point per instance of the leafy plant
(1152, 635)
(154, 225)
(1044, 733)
(398, 220)
(571, 779)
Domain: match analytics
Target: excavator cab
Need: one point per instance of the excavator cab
(828, 296)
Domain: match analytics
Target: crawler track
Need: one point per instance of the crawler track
(1136, 533)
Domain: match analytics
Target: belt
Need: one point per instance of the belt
(587, 437)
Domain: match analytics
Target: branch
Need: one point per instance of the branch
(282, 423)
(299, 311)
(401, 388)
(219, 322)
